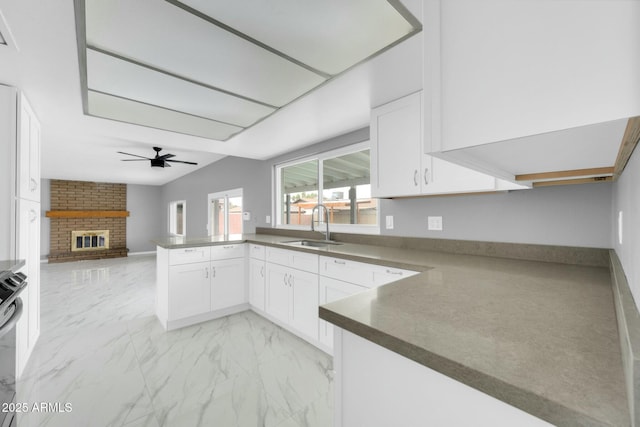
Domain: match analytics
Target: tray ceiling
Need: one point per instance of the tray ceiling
(215, 68)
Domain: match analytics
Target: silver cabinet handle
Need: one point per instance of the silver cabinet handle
(262, 271)
(395, 273)
(206, 272)
(189, 250)
(415, 177)
(426, 175)
(339, 262)
(284, 279)
(34, 184)
(291, 280)
(32, 215)
(213, 272)
(228, 247)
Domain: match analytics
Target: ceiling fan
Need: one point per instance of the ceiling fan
(158, 161)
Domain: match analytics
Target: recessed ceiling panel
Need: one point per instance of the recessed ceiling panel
(164, 36)
(329, 35)
(124, 110)
(115, 76)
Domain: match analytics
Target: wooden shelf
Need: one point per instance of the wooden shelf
(87, 214)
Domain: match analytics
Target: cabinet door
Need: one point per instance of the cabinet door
(304, 303)
(257, 276)
(189, 290)
(347, 271)
(228, 287)
(28, 153)
(333, 290)
(396, 140)
(278, 292)
(33, 272)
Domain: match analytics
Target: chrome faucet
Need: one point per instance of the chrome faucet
(327, 236)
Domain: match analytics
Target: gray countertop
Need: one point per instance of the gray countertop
(540, 336)
(11, 264)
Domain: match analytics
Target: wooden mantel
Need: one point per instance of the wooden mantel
(87, 214)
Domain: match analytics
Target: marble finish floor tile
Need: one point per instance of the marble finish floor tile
(103, 351)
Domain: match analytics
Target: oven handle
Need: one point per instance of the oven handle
(4, 329)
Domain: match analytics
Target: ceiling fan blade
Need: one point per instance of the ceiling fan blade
(166, 156)
(134, 160)
(180, 161)
(135, 155)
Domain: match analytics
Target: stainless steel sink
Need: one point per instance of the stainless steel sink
(312, 243)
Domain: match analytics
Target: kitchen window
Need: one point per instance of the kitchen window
(225, 212)
(341, 177)
(178, 218)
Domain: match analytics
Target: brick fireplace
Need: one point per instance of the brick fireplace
(89, 211)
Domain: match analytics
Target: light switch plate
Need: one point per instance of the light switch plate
(246, 216)
(434, 223)
(268, 219)
(389, 222)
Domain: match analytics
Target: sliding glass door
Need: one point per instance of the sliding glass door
(225, 213)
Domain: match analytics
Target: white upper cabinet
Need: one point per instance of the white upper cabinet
(397, 159)
(530, 87)
(28, 152)
(399, 165)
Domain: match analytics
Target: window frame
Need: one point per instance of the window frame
(172, 218)
(320, 157)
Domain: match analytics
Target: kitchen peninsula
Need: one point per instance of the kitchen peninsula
(537, 334)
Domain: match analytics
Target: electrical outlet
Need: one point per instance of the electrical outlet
(620, 229)
(389, 222)
(434, 223)
(268, 219)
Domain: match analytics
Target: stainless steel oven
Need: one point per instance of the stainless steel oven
(11, 284)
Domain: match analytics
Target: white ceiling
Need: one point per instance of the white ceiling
(45, 65)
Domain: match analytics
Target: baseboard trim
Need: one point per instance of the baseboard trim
(142, 253)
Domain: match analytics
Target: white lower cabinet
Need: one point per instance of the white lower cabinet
(333, 290)
(227, 283)
(286, 286)
(189, 290)
(278, 294)
(304, 303)
(257, 282)
(292, 298)
(257, 276)
(199, 284)
(340, 278)
(292, 290)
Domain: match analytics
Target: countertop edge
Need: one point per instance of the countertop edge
(527, 401)
(12, 265)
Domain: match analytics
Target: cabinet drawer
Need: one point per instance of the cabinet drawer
(257, 251)
(355, 272)
(227, 251)
(294, 259)
(189, 255)
(383, 275)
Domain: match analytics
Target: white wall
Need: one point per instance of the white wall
(573, 215)
(226, 174)
(144, 221)
(626, 198)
